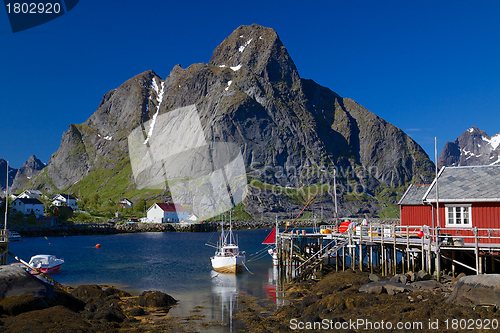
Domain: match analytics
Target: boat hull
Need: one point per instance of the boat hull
(228, 265)
(48, 270)
(230, 269)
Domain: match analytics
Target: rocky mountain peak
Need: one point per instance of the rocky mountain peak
(30, 169)
(472, 147)
(3, 175)
(32, 164)
(291, 133)
(256, 50)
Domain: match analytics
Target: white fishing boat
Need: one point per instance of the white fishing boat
(228, 258)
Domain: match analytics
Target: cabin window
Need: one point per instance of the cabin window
(458, 216)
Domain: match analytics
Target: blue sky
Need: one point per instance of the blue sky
(431, 68)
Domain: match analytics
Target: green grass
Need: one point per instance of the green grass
(112, 184)
(391, 211)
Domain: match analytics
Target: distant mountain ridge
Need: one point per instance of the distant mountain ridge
(291, 131)
(20, 177)
(30, 169)
(3, 175)
(472, 147)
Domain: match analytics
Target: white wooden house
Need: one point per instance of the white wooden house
(30, 194)
(125, 203)
(167, 213)
(28, 206)
(64, 200)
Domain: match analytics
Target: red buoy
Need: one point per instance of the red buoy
(420, 234)
(98, 246)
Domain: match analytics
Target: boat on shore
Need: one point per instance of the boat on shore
(46, 263)
(228, 258)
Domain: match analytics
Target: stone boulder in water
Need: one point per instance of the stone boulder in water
(155, 299)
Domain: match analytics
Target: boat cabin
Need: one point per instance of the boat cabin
(230, 250)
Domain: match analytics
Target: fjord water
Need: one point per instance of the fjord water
(175, 263)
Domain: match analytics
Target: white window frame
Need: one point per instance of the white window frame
(457, 220)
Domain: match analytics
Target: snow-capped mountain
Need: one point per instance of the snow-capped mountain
(472, 147)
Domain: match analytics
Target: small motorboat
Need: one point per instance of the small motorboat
(14, 236)
(46, 263)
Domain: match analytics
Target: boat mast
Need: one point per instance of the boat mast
(230, 229)
(6, 202)
(222, 233)
(335, 195)
(276, 233)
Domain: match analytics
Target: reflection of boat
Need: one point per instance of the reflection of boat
(228, 258)
(14, 236)
(46, 263)
(224, 287)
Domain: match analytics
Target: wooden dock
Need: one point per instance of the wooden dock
(4, 246)
(389, 249)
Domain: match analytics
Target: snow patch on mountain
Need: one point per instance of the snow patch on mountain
(242, 48)
(495, 141)
(159, 99)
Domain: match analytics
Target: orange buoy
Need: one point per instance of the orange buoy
(98, 246)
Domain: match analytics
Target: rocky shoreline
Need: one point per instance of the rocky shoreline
(354, 301)
(82, 229)
(28, 304)
(349, 301)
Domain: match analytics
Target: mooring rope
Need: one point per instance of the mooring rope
(259, 254)
(247, 268)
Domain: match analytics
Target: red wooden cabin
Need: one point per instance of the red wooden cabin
(469, 198)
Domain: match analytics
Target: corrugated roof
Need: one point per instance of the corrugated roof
(467, 184)
(171, 207)
(414, 195)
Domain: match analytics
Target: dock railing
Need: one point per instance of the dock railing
(448, 236)
(425, 239)
(4, 236)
